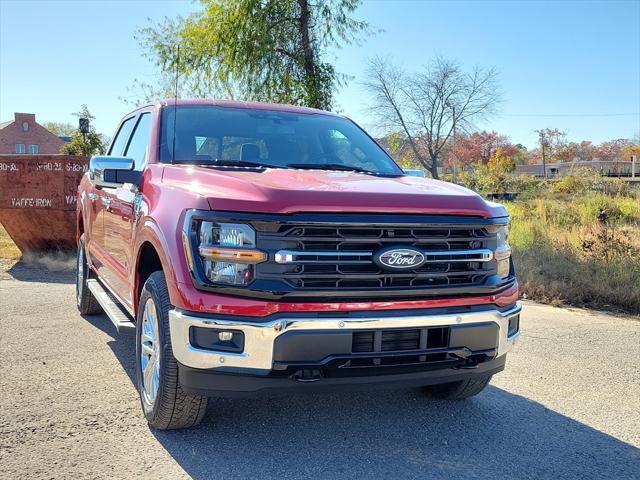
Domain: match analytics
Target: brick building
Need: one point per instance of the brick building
(24, 135)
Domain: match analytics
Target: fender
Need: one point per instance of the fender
(150, 232)
(169, 251)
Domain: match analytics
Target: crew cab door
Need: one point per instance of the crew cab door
(120, 213)
(100, 199)
(94, 234)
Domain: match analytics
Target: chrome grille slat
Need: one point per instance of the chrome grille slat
(290, 256)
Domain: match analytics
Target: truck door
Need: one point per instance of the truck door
(94, 234)
(120, 214)
(101, 200)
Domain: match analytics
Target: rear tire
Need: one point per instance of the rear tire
(458, 390)
(164, 403)
(86, 302)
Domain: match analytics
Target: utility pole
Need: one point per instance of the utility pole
(634, 159)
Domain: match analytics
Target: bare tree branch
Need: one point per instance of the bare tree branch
(426, 106)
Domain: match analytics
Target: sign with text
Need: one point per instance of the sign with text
(29, 182)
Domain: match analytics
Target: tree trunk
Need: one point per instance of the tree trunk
(434, 166)
(309, 62)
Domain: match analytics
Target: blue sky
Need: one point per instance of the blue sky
(573, 65)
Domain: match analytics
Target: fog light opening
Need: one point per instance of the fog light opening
(215, 339)
(225, 336)
(514, 325)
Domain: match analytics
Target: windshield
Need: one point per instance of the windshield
(211, 135)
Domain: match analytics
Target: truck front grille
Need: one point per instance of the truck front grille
(340, 257)
(399, 340)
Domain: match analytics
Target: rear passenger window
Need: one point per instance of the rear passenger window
(118, 144)
(138, 148)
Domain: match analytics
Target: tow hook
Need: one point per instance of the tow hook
(307, 375)
(464, 355)
(470, 365)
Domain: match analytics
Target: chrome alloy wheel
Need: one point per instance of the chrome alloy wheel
(150, 353)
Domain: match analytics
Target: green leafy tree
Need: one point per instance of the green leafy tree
(264, 50)
(395, 141)
(90, 143)
(60, 129)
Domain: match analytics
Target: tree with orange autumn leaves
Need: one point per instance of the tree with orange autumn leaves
(469, 150)
(479, 147)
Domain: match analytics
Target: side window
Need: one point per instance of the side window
(117, 147)
(139, 145)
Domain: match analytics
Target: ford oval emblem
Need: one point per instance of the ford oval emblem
(399, 258)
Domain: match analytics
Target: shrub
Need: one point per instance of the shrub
(615, 187)
(577, 181)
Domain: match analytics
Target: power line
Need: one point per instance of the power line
(571, 114)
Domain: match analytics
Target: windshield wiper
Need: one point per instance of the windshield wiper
(236, 163)
(339, 166)
(329, 166)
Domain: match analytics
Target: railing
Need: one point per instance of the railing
(607, 169)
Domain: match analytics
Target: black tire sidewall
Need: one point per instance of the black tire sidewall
(81, 288)
(150, 290)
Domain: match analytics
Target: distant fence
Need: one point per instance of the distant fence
(608, 169)
(38, 199)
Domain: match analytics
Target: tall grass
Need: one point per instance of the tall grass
(578, 249)
(8, 249)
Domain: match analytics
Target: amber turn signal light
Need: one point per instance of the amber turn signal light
(232, 255)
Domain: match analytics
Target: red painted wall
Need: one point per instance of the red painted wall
(38, 199)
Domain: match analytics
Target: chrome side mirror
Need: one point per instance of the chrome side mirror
(112, 172)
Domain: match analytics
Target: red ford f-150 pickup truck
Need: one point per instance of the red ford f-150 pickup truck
(253, 247)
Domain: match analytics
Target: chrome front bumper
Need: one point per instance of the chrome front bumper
(259, 338)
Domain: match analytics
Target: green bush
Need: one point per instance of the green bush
(616, 187)
(577, 181)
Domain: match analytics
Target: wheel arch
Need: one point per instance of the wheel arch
(151, 256)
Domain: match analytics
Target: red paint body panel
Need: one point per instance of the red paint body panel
(288, 191)
(197, 301)
(168, 191)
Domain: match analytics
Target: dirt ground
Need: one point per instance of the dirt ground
(567, 406)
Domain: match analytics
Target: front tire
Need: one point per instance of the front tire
(86, 302)
(458, 390)
(166, 406)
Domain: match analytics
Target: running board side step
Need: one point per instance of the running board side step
(120, 320)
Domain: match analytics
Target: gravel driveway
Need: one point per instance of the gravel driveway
(567, 406)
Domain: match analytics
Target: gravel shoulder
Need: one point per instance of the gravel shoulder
(567, 406)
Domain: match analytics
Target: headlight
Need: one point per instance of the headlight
(226, 252)
(503, 251)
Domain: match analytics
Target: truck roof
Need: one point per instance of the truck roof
(240, 104)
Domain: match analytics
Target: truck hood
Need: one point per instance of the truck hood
(293, 191)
